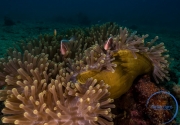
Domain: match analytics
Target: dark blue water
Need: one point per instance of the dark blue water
(151, 12)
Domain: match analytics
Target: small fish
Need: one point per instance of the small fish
(107, 44)
(63, 47)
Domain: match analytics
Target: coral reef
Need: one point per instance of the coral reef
(41, 77)
(133, 105)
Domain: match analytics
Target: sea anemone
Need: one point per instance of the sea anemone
(33, 97)
(131, 57)
(39, 82)
(59, 103)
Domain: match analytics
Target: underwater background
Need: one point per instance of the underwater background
(22, 19)
(27, 19)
